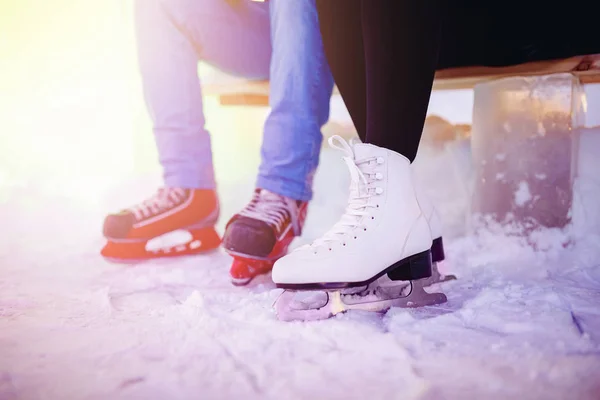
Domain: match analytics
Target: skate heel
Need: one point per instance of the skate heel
(415, 267)
(437, 255)
(437, 250)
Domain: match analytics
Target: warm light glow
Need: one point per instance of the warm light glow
(72, 116)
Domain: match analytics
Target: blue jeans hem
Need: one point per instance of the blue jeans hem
(286, 188)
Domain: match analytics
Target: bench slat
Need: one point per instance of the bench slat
(587, 68)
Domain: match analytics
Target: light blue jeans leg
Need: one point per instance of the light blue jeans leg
(301, 86)
(172, 37)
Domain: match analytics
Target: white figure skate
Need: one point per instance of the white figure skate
(382, 238)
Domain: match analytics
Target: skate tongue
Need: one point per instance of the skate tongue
(265, 194)
(362, 151)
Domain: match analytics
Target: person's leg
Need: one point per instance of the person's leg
(301, 86)
(172, 36)
(401, 40)
(340, 23)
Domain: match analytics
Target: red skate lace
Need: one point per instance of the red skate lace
(273, 209)
(164, 199)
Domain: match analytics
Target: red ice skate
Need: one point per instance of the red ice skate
(261, 233)
(173, 222)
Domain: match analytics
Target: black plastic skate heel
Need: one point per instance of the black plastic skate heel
(437, 250)
(414, 267)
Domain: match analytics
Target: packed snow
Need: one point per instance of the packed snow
(522, 321)
(522, 194)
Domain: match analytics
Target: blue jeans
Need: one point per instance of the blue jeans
(279, 40)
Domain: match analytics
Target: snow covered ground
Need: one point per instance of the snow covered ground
(519, 322)
(522, 320)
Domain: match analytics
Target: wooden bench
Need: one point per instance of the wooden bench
(238, 92)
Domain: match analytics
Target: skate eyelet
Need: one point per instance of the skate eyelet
(343, 244)
(354, 237)
(377, 206)
(365, 229)
(380, 160)
(372, 217)
(379, 190)
(379, 176)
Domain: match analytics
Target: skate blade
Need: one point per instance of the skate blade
(288, 308)
(240, 281)
(437, 277)
(175, 243)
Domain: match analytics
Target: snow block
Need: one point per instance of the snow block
(586, 189)
(524, 146)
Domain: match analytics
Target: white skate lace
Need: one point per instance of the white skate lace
(273, 209)
(164, 199)
(361, 192)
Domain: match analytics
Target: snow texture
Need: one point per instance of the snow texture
(522, 320)
(522, 194)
